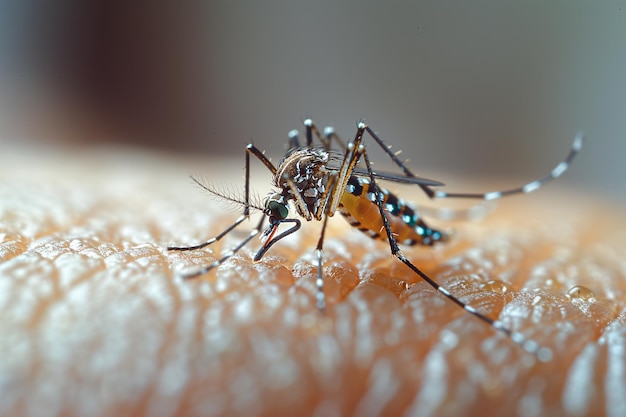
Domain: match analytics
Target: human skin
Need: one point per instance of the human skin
(95, 319)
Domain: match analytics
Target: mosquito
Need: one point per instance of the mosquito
(318, 181)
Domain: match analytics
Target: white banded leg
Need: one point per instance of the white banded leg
(250, 149)
(203, 270)
(529, 345)
(556, 172)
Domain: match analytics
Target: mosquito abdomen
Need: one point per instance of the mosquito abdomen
(358, 206)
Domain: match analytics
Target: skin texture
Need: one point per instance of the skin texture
(94, 320)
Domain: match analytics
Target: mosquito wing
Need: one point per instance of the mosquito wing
(394, 177)
(335, 160)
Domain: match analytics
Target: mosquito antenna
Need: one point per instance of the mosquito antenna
(229, 196)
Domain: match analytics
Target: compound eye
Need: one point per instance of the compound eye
(277, 210)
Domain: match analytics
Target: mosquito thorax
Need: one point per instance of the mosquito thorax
(307, 169)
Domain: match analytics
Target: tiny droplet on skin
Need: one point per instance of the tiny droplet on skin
(497, 286)
(578, 292)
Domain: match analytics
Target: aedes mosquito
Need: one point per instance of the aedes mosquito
(319, 181)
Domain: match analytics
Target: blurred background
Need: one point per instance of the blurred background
(476, 89)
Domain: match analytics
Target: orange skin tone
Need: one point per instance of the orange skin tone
(94, 319)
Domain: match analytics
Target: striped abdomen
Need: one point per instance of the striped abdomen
(358, 206)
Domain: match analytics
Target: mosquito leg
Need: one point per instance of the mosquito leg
(530, 346)
(309, 128)
(527, 188)
(319, 282)
(250, 149)
(429, 191)
(212, 240)
(245, 215)
(351, 158)
(556, 172)
(329, 135)
(325, 139)
(227, 255)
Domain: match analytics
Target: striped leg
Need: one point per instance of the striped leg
(251, 149)
(227, 255)
(542, 353)
(310, 129)
(556, 172)
(319, 282)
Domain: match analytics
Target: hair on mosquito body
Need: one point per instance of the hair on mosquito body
(313, 181)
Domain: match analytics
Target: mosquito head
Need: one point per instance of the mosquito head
(276, 208)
